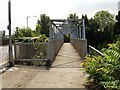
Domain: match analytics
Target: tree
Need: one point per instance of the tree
(101, 27)
(117, 27)
(44, 24)
(23, 32)
(3, 34)
(72, 16)
(91, 32)
(38, 27)
(104, 19)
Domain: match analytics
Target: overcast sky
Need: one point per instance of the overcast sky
(55, 9)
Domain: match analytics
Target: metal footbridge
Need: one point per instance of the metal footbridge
(76, 49)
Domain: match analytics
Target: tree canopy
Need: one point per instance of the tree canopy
(100, 29)
(43, 25)
(104, 19)
(72, 16)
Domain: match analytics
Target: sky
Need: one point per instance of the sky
(55, 9)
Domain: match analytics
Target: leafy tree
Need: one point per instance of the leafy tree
(104, 19)
(3, 34)
(23, 32)
(106, 22)
(117, 26)
(44, 24)
(91, 32)
(100, 29)
(72, 16)
(38, 27)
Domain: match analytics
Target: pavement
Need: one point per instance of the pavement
(64, 73)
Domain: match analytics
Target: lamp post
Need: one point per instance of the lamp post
(10, 37)
(27, 19)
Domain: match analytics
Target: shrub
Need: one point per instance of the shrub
(104, 71)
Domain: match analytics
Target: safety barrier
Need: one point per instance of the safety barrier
(95, 52)
(36, 52)
(54, 47)
(80, 45)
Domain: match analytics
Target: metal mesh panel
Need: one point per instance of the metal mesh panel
(30, 51)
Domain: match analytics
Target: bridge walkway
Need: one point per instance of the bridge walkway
(67, 57)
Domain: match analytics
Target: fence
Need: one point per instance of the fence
(37, 52)
(54, 47)
(80, 45)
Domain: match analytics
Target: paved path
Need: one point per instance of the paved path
(65, 73)
(67, 57)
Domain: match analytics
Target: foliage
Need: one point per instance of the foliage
(26, 35)
(38, 27)
(117, 27)
(104, 70)
(3, 33)
(104, 19)
(42, 38)
(67, 38)
(41, 51)
(72, 16)
(43, 25)
(22, 32)
(100, 29)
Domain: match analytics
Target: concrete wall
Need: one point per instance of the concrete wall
(54, 47)
(4, 54)
(80, 45)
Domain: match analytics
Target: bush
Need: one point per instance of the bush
(105, 71)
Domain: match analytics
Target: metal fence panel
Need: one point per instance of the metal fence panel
(54, 47)
(80, 45)
(30, 51)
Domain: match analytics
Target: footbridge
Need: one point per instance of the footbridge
(33, 53)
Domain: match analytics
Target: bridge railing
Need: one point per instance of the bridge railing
(95, 52)
(54, 47)
(80, 45)
(36, 52)
(27, 52)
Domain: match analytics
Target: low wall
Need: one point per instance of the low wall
(4, 54)
(80, 45)
(54, 47)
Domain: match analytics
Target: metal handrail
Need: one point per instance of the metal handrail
(97, 52)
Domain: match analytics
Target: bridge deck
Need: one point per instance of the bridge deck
(67, 57)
